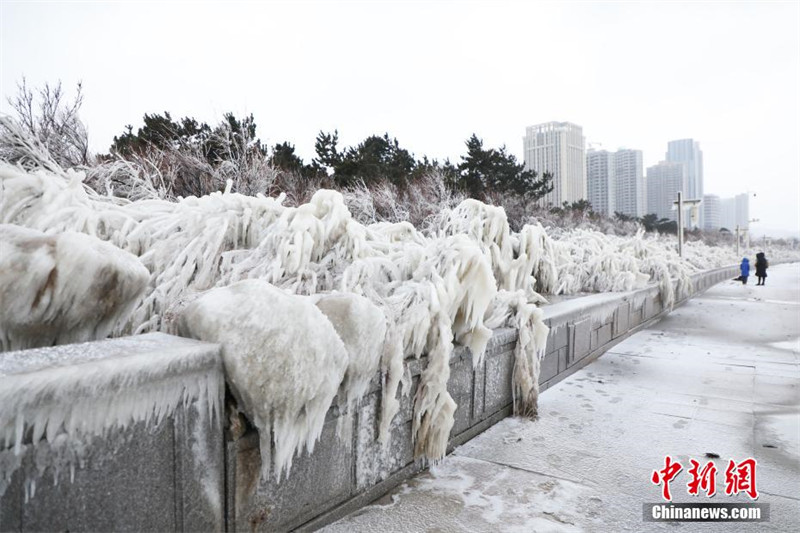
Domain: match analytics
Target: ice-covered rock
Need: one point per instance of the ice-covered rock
(283, 361)
(63, 288)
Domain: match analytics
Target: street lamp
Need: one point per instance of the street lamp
(680, 205)
(746, 231)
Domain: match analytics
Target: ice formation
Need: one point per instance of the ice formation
(283, 361)
(450, 282)
(60, 398)
(77, 287)
(514, 309)
(362, 327)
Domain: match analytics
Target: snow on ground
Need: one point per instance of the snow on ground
(448, 284)
(720, 374)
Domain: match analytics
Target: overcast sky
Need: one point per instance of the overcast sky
(634, 75)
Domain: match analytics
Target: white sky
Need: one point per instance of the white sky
(431, 73)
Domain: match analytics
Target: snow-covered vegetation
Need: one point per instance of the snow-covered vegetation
(308, 299)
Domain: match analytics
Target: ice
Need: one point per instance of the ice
(58, 399)
(361, 326)
(513, 309)
(283, 361)
(451, 281)
(76, 287)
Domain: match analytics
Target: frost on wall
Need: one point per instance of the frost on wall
(450, 282)
(56, 400)
(283, 361)
(76, 287)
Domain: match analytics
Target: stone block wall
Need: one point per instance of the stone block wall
(152, 475)
(147, 477)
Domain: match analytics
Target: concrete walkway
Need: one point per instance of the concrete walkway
(719, 375)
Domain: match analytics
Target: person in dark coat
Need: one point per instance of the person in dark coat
(761, 268)
(744, 268)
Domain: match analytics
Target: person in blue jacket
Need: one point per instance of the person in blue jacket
(744, 268)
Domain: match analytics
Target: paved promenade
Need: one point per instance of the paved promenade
(718, 376)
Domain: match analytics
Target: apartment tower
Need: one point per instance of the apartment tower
(560, 149)
(664, 180)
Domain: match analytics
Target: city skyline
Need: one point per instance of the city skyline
(432, 74)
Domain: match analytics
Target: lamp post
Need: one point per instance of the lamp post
(747, 230)
(680, 205)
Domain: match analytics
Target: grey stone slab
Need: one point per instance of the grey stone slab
(126, 484)
(502, 336)
(603, 335)
(317, 482)
(648, 310)
(460, 388)
(375, 462)
(11, 503)
(593, 340)
(200, 468)
(499, 369)
(500, 348)
(636, 317)
(563, 359)
(557, 337)
(406, 399)
(143, 477)
(621, 321)
(549, 368)
(479, 391)
(580, 339)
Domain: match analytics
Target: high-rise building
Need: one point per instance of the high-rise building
(712, 212)
(735, 212)
(630, 187)
(560, 149)
(615, 182)
(664, 180)
(687, 151)
(600, 182)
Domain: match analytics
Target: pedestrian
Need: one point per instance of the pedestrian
(761, 268)
(744, 269)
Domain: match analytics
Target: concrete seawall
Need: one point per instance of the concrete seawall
(147, 476)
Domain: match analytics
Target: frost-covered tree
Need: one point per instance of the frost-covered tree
(52, 119)
(192, 158)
